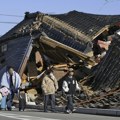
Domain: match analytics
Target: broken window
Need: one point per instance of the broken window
(3, 48)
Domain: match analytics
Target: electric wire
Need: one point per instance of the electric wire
(10, 15)
(8, 22)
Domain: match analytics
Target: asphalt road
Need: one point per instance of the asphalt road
(39, 115)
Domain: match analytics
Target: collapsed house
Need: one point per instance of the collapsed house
(79, 40)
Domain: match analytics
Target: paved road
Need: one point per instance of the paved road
(38, 115)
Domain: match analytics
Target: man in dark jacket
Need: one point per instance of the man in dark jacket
(70, 86)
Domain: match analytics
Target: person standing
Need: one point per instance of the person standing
(70, 86)
(12, 81)
(49, 87)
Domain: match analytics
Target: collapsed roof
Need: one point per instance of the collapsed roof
(63, 38)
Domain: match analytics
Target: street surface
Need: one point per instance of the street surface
(39, 115)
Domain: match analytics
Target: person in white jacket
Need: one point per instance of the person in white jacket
(70, 86)
(12, 81)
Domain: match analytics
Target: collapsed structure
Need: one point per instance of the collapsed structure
(85, 42)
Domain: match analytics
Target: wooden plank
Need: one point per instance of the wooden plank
(54, 44)
(25, 59)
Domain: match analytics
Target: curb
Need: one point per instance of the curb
(93, 111)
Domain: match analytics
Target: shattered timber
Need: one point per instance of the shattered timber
(88, 43)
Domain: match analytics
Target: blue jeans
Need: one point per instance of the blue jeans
(3, 102)
(10, 100)
(6, 102)
(69, 103)
(50, 97)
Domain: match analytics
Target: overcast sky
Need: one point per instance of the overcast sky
(19, 7)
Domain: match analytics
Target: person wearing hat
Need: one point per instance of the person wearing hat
(70, 86)
(49, 86)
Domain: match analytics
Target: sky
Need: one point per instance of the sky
(19, 7)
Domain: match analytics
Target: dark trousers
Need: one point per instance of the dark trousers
(69, 102)
(50, 97)
(10, 100)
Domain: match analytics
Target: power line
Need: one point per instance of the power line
(8, 22)
(107, 2)
(11, 15)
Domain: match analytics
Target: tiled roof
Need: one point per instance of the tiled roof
(107, 74)
(17, 29)
(60, 37)
(16, 51)
(88, 24)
